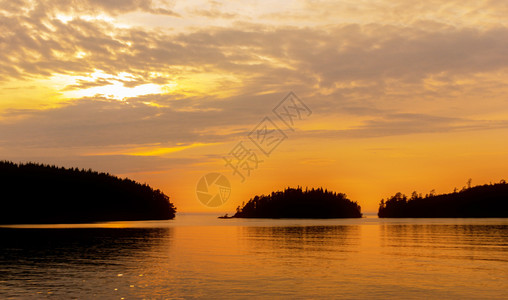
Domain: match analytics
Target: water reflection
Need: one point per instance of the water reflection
(471, 241)
(44, 261)
(303, 240)
(410, 259)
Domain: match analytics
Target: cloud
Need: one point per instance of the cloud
(111, 7)
(215, 10)
(85, 84)
(221, 80)
(253, 56)
(463, 13)
(99, 122)
(102, 124)
(397, 124)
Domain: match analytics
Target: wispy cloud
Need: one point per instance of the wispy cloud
(400, 124)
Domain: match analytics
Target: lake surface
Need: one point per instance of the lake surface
(202, 257)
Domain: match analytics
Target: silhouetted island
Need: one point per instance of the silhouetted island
(40, 194)
(486, 201)
(295, 203)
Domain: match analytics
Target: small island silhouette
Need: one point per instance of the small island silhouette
(296, 203)
(33, 193)
(485, 201)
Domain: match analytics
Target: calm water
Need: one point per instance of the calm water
(201, 257)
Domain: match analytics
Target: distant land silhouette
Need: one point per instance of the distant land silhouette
(296, 203)
(33, 193)
(485, 201)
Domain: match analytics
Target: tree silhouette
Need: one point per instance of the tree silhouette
(295, 203)
(486, 201)
(34, 193)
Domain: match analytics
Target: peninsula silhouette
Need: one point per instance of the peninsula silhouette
(296, 203)
(485, 201)
(33, 193)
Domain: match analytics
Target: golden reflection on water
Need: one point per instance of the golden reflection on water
(327, 242)
(331, 259)
(473, 242)
(90, 262)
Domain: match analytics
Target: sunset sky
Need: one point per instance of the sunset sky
(405, 95)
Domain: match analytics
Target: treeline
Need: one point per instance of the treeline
(486, 201)
(296, 203)
(34, 193)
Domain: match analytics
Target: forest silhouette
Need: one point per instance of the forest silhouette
(33, 193)
(296, 203)
(485, 201)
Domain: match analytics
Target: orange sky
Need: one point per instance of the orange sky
(404, 95)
